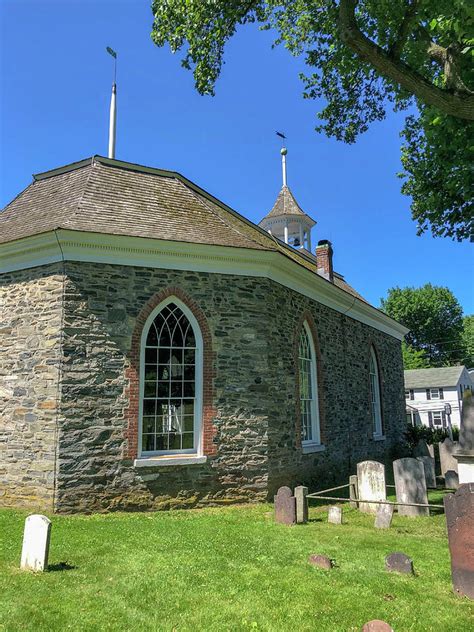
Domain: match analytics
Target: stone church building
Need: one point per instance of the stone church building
(160, 350)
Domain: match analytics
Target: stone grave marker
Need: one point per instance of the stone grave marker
(421, 449)
(459, 510)
(446, 458)
(377, 625)
(383, 517)
(335, 515)
(301, 494)
(451, 480)
(35, 550)
(410, 486)
(371, 484)
(353, 490)
(465, 453)
(429, 465)
(399, 563)
(285, 506)
(321, 561)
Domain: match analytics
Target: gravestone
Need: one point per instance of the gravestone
(335, 515)
(429, 465)
(399, 563)
(421, 449)
(321, 561)
(377, 625)
(431, 450)
(301, 494)
(465, 453)
(35, 550)
(446, 458)
(410, 486)
(371, 484)
(383, 517)
(459, 510)
(285, 506)
(451, 480)
(353, 491)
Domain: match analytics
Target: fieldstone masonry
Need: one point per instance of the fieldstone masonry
(68, 332)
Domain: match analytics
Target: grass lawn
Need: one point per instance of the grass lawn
(228, 569)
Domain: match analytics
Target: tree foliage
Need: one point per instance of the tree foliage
(434, 317)
(362, 55)
(468, 340)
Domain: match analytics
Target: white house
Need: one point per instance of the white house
(434, 396)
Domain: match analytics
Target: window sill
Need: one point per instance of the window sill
(378, 437)
(309, 448)
(167, 461)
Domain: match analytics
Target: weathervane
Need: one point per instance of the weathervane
(113, 107)
(283, 152)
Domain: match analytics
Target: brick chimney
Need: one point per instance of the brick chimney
(324, 259)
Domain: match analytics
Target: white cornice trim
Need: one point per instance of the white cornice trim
(52, 246)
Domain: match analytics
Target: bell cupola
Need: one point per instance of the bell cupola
(286, 220)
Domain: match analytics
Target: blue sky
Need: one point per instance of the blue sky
(55, 91)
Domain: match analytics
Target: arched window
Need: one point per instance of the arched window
(376, 408)
(171, 381)
(308, 385)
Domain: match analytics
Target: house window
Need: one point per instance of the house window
(376, 409)
(310, 431)
(437, 417)
(434, 393)
(407, 394)
(171, 381)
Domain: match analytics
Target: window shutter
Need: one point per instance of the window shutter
(441, 394)
(430, 419)
(428, 394)
(412, 394)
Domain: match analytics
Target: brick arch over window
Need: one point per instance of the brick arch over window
(132, 374)
(307, 317)
(372, 348)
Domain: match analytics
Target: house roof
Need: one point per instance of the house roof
(285, 204)
(427, 378)
(101, 195)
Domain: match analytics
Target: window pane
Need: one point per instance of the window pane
(308, 389)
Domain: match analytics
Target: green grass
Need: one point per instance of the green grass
(228, 569)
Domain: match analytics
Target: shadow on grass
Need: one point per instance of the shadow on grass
(61, 566)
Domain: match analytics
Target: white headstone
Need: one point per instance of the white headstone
(34, 554)
(300, 494)
(335, 515)
(371, 484)
(446, 450)
(410, 486)
(383, 517)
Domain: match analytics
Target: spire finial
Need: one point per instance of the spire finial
(113, 107)
(283, 152)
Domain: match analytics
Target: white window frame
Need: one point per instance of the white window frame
(315, 442)
(440, 413)
(435, 390)
(198, 405)
(375, 398)
(407, 394)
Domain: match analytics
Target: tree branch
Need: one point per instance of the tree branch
(459, 104)
(404, 30)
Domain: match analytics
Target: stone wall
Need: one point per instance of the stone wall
(254, 326)
(30, 325)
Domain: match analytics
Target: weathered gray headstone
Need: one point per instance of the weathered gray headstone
(335, 515)
(459, 510)
(465, 452)
(322, 561)
(429, 465)
(301, 494)
(377, 625)
(399, 563)
(371, 484)
(383, 517)
(35, 550)
(451, 480)
(447, 461)
(353, 491)
(285, 506)
(410, 486)
(431, 450)
(421, 449)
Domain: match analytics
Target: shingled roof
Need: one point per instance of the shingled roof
(426, 378)
(101, 195)
(285, 204)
